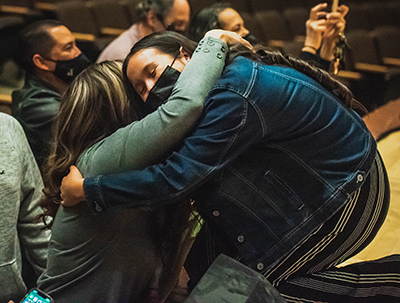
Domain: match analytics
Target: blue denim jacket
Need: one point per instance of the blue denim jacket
(274, 156)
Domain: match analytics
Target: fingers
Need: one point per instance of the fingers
(245, 43)
(343, 10)
(317, 9)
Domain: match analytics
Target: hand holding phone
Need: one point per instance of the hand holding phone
(35, 295)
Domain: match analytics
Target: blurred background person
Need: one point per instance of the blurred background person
(51, 60)
(323, 29)
(154, 16)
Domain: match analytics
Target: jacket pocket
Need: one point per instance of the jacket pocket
(9, 276)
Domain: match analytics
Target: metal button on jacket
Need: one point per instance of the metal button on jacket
(215, 213)
(98, 207)
(240, 238)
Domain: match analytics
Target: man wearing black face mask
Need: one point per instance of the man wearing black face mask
(154, 16)
(51, 59)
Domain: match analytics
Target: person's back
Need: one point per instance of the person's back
(297, 151)
(22, 237)
(154, 16)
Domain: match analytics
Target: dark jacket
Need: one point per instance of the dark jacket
(35, 106)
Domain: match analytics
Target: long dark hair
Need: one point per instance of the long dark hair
(92, 108)
(166, 42)
(205, 20)
(268, 57)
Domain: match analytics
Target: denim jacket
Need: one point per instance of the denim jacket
(274, 156)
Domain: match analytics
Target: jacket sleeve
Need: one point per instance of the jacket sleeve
(222, 134)
(153, 138)
(316, 60)
(36, 116)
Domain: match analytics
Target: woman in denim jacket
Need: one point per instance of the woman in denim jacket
(284, 172)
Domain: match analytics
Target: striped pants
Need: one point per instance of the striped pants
(308, 272)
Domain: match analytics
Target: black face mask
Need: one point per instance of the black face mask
(159, 93)
(67, 70)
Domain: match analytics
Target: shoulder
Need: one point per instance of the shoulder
(34, 89)
(9, 125)
(35, 97)
(12, 130)
(237, 74)
(121, 45)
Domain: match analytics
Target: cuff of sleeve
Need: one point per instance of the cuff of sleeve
(93, 195)
(315, 60)
(325, 64)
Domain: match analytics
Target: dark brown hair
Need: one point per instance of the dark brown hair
(268, 57)
(92, 108)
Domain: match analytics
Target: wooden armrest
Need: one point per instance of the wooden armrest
(300, 39)
(112, 31)
(45, 6)
(84, 37)
(5, 99)
(349, 75)
(391, 61)
(276, 43)
(14, 9)
(374, 68)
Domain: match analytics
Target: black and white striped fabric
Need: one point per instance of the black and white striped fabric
(308, 273)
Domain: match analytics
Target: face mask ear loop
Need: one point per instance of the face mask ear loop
(48, 59)
(179, 51)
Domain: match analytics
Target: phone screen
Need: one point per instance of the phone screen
(36, 296)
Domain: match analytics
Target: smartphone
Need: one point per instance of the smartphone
(335, 4)
(35, 295)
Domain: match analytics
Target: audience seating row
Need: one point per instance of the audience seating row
(372, 29)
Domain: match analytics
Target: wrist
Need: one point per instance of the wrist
(79, 191)
(309, 49)
(326, 51)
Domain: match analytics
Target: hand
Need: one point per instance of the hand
(335, 25)
(315, 28)
(72, 188)
(230, 38)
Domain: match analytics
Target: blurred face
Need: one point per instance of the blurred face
(65, 47)
(146, 66)
(230, 20)
(178, 18)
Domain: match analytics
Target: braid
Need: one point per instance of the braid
(269, 57)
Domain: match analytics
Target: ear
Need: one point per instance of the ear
(184, 54)
(40, 62)
(152, 19)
